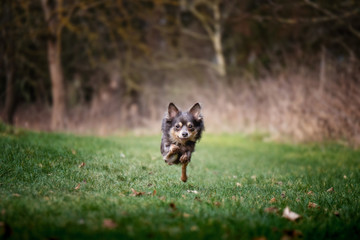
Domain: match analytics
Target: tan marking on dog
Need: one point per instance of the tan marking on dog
(176, 138)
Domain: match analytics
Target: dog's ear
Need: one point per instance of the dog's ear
(172, 110)
(196, 111)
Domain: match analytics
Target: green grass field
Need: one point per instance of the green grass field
(232, 179)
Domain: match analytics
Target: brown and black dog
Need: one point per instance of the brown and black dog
(180, 132)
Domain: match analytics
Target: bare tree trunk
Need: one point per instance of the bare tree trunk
(322, 74)
(57, 90)
(9, 108)
(217, 42)
(55, 67)
(7, 38)
(213, 30)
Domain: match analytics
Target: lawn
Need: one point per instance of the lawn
(238, 188)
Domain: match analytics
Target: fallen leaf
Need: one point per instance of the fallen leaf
(233, 197)
(172, 206)
(292, 216)
(183, 196)
(238, 184)
(279, 183)
(81, 165)
(291, 234)
(312, 205)
(297, 199)
(16, 195)
(154, 192)
(271, 210)
(162, 198)
(77, 187)
(73, 151)
(194, 228)
(310, 193)
(192, 191)
(260, 238)
(218, 204)
(109, 224)
(197, 199)
(272, 200)
(186, 215)
(136, 194)
(330, 189)
(345, 177)
(122, 155)
(253, 177)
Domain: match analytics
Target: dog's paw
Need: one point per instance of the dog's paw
(174, 149)
(183, 178)
(184, 158)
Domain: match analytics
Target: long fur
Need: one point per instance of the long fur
(175, 149)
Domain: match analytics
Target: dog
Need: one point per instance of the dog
(180, 132)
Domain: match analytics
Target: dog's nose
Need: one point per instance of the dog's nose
(185, 134)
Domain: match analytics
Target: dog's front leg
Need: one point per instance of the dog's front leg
(183, 172)
(173, 150)
(185, 159)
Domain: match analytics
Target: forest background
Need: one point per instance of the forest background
(289, 69)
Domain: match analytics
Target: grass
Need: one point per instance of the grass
(235, 178)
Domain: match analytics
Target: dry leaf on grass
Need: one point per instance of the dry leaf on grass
(330, 189)
(292, 216)
(272, 200)
(109, 224)
(218, 204)
(73, 151)
(271, 210)
(260, 238)
(82, 165)
(77, 187)
(312, 205)
(186, 215)
(172, 206)
(238, 184)
(291, 234)
(16, 195)
(253, 177)
(136, 194)
(310, 193)
(194, 228)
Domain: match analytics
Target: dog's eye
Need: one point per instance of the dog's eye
(177, 126)
(190, 125)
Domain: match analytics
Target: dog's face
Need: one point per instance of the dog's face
(185, 126)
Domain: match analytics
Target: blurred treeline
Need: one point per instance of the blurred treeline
(289, 68)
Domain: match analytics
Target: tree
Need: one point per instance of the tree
(8, 55)
(52, 17)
